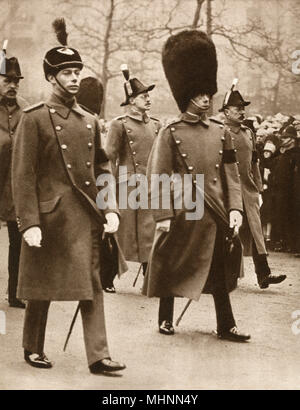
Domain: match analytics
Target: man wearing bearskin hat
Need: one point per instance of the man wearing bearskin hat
(57, 154)
(190, 257)
(11, 106)
(247, 158)
(128, 145)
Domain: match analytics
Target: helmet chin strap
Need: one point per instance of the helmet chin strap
(61, 86)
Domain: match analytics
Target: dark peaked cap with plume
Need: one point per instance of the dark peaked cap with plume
(190, 63)
(63, 56)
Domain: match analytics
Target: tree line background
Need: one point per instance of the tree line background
(255, 40)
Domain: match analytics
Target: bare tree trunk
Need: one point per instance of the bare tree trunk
(105, 77)
(197, 14)
(209, 18)
(276, 90)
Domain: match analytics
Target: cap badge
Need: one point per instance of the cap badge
(65, 50)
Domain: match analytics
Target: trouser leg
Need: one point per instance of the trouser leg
(224, 314)
(166, 310)
(94, 330)
(36, 314)
(262, 268)
(15, 239)
(92, 312)
(144, 266)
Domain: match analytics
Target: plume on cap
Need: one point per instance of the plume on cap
(59, 26)
(125, 71)
(4, 47)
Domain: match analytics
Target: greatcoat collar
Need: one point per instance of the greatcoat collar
(64, 107)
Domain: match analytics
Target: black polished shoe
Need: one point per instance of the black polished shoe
(271, 280)
(106, 365)
(16, 303)
(109, 289)
(234, 335)
(37, 360)
(166, 328)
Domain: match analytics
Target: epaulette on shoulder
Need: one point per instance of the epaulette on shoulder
(172, 121)
(216, 121)
(120, 117)
(87, 109)
(34, 107)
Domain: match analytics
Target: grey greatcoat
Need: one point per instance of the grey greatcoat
(8, 124)
(128, 144)
(247, 158)
(180, 260)
(56, 156)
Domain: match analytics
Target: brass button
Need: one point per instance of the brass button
(220, 152)
(217, 165)
(87, 183)
(89, 126)
(134, 153)
(178, 142)
(223, 138)
(130, 142)
(11, 133)
(237, 162)
(90, 145)
(190, 168)
(64, 146)
(69, 166)
(194, 181)
(215, 179)
(58, 128)
(235, 150)
(88, 164)
(137, 164)
(184, 155)
(52, 110)
(129, 131)
(10, 117)
(239, 175)
(172, 129)
(232, 138)
(156, 131)
(221, 126)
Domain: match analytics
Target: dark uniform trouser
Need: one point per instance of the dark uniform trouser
(224, 314)
(15, 240)
(92, 313)
(262, 268)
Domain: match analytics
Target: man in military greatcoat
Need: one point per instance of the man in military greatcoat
(128, 145)
(57, 154)
(251, 232)
(190, 257)
(11, 106)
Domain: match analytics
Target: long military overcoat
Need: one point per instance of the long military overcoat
(180, 260)
(56, 156)
(128, 144)
(248, 165)
(8, 124)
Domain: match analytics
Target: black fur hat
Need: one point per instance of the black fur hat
(63, 56)
(190, 63)
(90, 94)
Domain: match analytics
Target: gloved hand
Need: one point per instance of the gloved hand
(33, 236)
(112, 222)
(235, 220)
(164, 225)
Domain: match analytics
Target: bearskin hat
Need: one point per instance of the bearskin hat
(190, 63)
(90, 94)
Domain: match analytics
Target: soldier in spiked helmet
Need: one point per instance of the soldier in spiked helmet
(57, 155)
(128, 145)
(247, 158)
(188, 257)
(11, 106)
